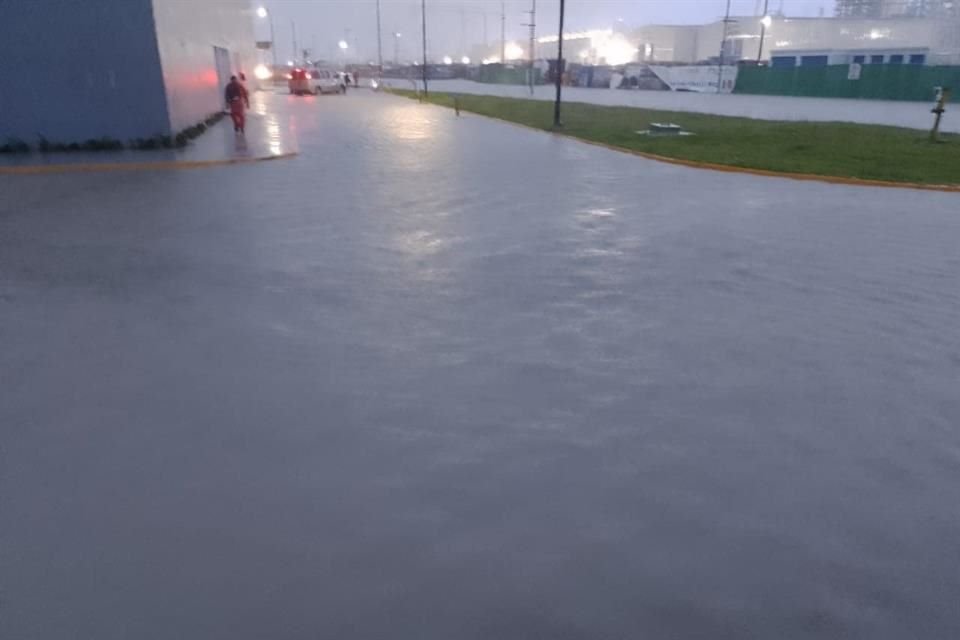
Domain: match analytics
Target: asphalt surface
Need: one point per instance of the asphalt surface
(449, 378)
(912, 115)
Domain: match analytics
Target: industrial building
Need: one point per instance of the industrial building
(805, 41)
(895, 8)
(118, 69)
(927, 34)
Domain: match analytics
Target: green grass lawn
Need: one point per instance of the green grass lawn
(823, 148)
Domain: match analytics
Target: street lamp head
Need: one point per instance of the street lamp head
(262, 12)
(766, 21)
(465, 59)
(343, 45)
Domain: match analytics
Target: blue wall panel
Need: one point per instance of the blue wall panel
(71, 70)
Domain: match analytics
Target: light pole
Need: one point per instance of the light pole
(503, 33)
(765, 23)
(533, 43)
(379, 43)
(423, 18)
(396, 48)
(723, 48)
(556, 106)
(263, 13)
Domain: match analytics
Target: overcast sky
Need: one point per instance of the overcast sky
(455, 25)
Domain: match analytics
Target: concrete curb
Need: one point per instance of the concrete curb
(98, 167)
(725, 168)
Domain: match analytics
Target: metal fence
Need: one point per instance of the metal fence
(876, 82)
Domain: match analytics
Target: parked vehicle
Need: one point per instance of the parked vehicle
(325, 81)
(314, 81)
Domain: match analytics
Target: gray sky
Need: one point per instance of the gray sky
(455, 25)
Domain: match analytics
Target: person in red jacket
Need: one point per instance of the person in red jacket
(237, 100)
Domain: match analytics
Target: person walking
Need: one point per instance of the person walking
(237, 100)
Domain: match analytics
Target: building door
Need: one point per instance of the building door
(221, 58)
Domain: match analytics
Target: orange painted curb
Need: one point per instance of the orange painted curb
(95, 167)
(726, 168)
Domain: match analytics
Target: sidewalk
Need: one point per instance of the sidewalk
(268, 137)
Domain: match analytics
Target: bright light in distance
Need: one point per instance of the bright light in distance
(465, 59)
(343, 44)
(616, 51)
(766, 21)
(584, 54)
(262, 12)
(289, 63)
(262, 72)
(447, 60)
(514, 51)
(398, 35)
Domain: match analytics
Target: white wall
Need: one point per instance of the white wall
(187, 32)
(696, 43)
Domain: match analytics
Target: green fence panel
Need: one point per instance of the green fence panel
(877, 82)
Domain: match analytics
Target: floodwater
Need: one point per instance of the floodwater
(445, 378)
(912, 115)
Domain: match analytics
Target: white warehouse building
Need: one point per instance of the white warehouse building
(805, 41)
(786, 42)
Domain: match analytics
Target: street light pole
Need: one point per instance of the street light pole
(763, 28)
(423, 18)
(533, 43)
(396, 48)
(556, 106)
(379, 43)
(503, 33)
(293, 35)
(263, 12)
(723, 48)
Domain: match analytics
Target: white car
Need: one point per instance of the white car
(324, 81)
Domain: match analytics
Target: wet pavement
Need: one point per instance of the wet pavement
(912, 115)
(448, 378)
(267, 135)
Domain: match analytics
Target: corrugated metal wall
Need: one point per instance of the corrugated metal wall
(878, 82)
(187, 32)
(71, 71)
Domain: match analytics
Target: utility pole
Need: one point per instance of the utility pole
(423, 17)
(379, 43)
(556, 107)
(503, 33)
(533, 43)
(763, 28)
(293, 32)
(723, 48)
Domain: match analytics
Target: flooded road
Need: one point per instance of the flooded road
(447, 378)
